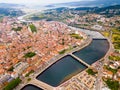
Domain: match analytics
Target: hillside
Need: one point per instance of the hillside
(92, 3)
(10, 5)
(108, 11)
(10, 12)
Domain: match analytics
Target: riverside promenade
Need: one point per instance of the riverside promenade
(99, 82)
(41, 84)
(58, 57)
(45, 86)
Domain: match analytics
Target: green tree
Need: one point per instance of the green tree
(12, 84)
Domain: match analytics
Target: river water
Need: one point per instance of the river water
(61, 71)
(95, 51)
(31, 87)
(67, 67)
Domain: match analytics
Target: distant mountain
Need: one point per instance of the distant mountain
(109, 8)
(92, 3)
(98, 9)
(10, 12)
(10, 5)
(108, 11)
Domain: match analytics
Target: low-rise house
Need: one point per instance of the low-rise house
(27, 70)
(112, 66)
(4, 79)
(14, 74)
(118, 73)
(20, 67)
(107, 74)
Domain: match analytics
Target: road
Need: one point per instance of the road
(100, 67)
(101, 64)
(86, 42)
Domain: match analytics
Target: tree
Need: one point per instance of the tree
(12, 84)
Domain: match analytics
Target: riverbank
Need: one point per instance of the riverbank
(86, 42)
(58, 57)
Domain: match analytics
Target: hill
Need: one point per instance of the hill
(10, 5)
(108, 11)
(92, 3)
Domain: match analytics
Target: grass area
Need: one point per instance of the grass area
(40, 17)
(116, 41)
(29, 79)
(100, 23)
(17, 29)
(77, 36)
(116, 30)
(112, 84)
(117, 46)
(12, 84)
(29, 73)
(66, 50)
(106, 34)
(63, 51)
(33, 28)
(114, 58)
(116, 38)
(29, 54)
(91, 72)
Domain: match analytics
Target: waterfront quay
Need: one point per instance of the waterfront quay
(51, 62)
(45, 86)
(77, 81)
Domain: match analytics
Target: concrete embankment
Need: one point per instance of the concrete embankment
(92, 34)
(45, 86)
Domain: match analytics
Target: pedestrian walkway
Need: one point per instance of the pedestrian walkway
(40, 84)
(80, 60)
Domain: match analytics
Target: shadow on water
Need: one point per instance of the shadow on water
(31, 87)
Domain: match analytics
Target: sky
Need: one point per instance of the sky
(37, 1)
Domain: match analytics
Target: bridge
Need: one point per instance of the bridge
(79, 60)
(41, 84)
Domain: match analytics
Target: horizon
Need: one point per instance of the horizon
(39, 2)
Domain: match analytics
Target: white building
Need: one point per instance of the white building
(14, 75)
(20, 67)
